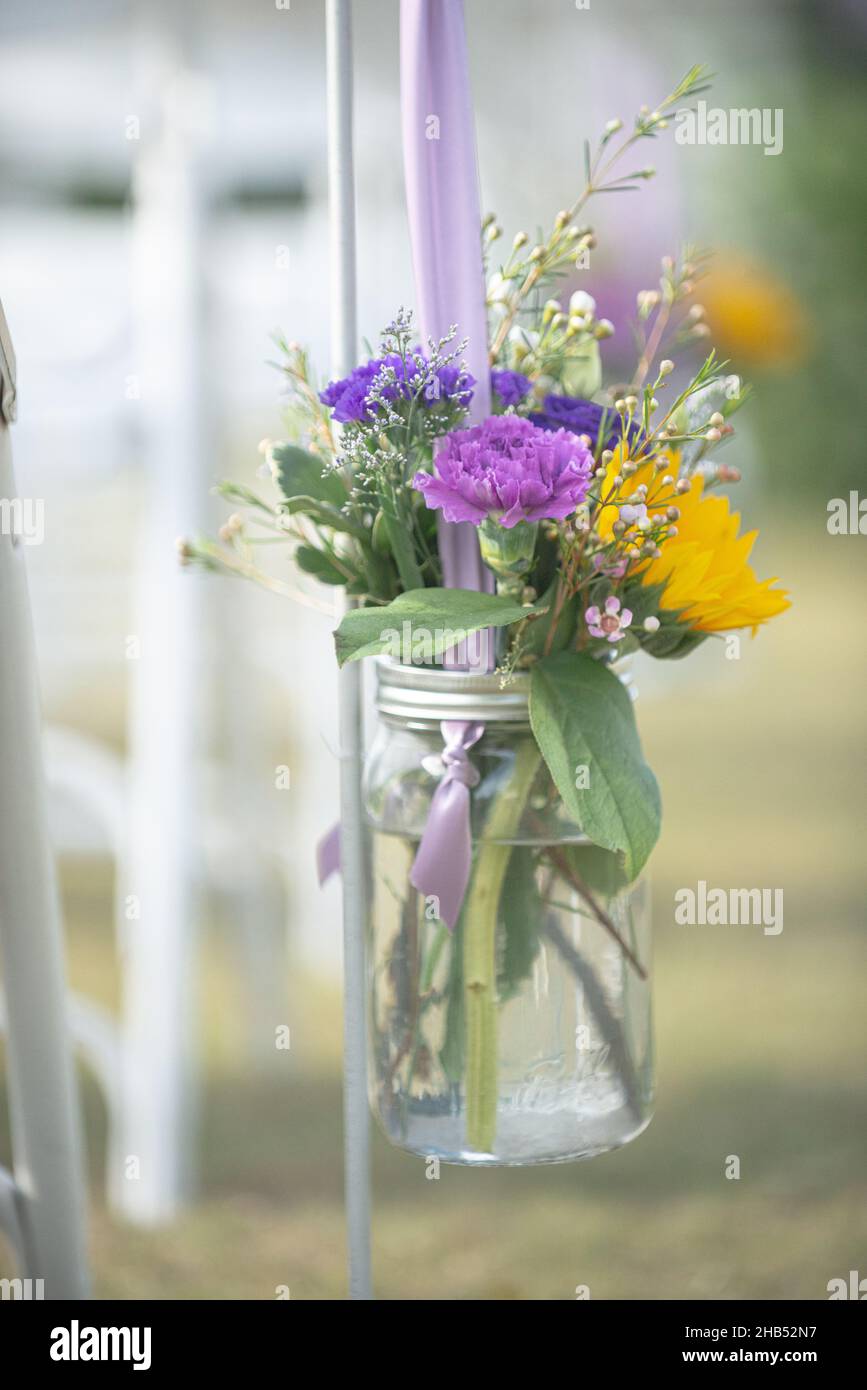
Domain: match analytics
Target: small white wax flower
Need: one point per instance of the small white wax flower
(526, 338)
(582, 303)
(498, 290)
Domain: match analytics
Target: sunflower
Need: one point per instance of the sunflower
(753, 316)
(703, 571)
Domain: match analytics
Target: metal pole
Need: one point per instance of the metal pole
(341, 197)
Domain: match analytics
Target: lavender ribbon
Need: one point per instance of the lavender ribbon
(442, 199)
(442, 195)
(444, 859)
(328, 854)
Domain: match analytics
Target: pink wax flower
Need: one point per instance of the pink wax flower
(611, 623)
(509, 470)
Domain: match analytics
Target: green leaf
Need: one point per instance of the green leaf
(582, 718)
(601, 869)
(582, 371)
(299, 474)
(316, 562)
(324, 515)
(453, 1051)
(519, 919)
(535, 635)
(674, 639)
(435, 619)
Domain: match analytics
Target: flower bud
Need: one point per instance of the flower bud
(666, 367)
(582, 303)
(651, 624)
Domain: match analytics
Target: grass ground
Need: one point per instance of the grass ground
(761, 1044)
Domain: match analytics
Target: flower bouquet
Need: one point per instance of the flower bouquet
(510, 807)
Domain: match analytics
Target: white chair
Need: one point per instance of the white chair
(42, 1202)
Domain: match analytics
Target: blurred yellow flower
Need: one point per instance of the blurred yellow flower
(754, 318)
(704, 567)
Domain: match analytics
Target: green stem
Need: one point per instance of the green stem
(424, 988)
(401, 540)
(479, 924)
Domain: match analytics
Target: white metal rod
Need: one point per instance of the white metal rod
(344, 335)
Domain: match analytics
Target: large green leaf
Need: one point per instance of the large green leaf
(583, 719)
(299, 474)
(430, 620)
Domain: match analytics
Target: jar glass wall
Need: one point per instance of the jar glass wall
(524, 1035)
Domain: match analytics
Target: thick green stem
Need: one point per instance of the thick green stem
(479, 925)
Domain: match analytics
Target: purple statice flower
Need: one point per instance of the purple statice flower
(581, 417)
(511, 387)
(611, 623)
(351, 398)
(509, 470)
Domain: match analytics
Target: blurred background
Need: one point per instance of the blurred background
(163, 200)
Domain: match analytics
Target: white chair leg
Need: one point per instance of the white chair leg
(46, 1143)
(162, 875)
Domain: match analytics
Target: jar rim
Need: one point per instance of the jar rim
(431, 694)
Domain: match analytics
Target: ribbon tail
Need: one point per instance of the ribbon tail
(328, 854)
(442, 864)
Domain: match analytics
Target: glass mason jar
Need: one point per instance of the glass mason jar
(523, 1036)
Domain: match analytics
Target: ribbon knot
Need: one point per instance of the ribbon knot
(458, 767)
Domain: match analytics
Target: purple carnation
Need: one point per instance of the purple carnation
(350, 399)
(581, 417)
(511, 387)
(507, 469)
